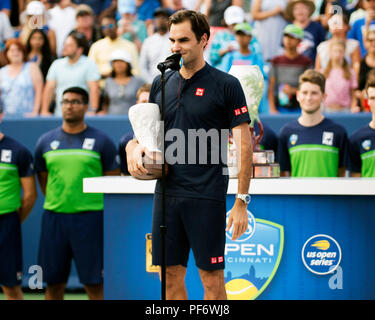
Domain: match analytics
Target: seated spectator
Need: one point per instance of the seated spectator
(85, 23)
(224, 41)
(269, 25)
(243, 55)
(156, 47)
(21, 82)
(312, 146)
(75, 69)
(100, 51)
(341, 81)
(338, 27)
(62, 21)
(35, 17)
(39, 51)
(362, 26)
(284, 73)
(143, 94)
(121, 87)
(362, 142)
(367, 65)
(130, 27)
(300, 11)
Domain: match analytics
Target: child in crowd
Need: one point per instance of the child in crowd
(284, 73)
(242, 55)
(341, 81)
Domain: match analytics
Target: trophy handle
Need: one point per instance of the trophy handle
(256, 139)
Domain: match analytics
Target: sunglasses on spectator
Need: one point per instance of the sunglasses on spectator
(108, 26)
(73, 102)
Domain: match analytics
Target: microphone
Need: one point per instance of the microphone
(171, 62)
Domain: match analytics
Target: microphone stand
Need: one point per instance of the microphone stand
(171, 62)
(163, 227)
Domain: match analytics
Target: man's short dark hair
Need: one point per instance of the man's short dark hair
(80, 91)
(80, 39)
(198, 21)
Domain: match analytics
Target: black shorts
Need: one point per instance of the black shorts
(10, 250)
(77, 236)
(198, 224)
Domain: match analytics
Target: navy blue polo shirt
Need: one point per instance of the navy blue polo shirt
(200, 109)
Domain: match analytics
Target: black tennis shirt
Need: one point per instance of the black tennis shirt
(211, 100)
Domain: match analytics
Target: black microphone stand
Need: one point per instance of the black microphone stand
(163, 227)
(171, 62)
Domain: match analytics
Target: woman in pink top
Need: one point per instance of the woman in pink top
(341, 81)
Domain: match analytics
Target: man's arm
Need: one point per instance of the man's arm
(355, 174)
(238, 214)
(48, 91)
(28, 197)
(94, 93)
(42, 178)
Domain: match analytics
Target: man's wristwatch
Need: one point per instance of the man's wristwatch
(246, 198)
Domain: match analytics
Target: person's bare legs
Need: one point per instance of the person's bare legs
(55, 291)
(13, 293)
(175, 283)
(213, 284)
(95, 292)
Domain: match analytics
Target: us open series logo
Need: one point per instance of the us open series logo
(321, 254)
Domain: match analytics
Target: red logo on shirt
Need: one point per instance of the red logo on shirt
(220, 259)
(199, 92)
(213, 260)
(239, 111)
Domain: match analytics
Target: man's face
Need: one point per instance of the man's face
(310, 97)
(71, 48)
(143, 97)
(73, 108)
(109, 28)
(183, 40)
(85, 21)
(371, 98)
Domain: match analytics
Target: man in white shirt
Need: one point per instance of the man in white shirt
(75, 70)
(62, 21)
(156, 47)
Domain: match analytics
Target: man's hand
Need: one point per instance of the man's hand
(238, 218)
(134, 153)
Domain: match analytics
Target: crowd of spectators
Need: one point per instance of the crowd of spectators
(63, 36)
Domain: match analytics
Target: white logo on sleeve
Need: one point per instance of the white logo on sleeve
(327, 138)
(88, 144)
(6, 156)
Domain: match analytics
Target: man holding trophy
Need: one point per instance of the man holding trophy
(204, 100)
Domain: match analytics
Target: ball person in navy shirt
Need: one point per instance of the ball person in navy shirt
(201, 98)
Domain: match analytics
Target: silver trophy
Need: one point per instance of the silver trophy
(264, 165)
(146, 124)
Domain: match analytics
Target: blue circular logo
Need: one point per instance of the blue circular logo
(321, 254)
(249, 231)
